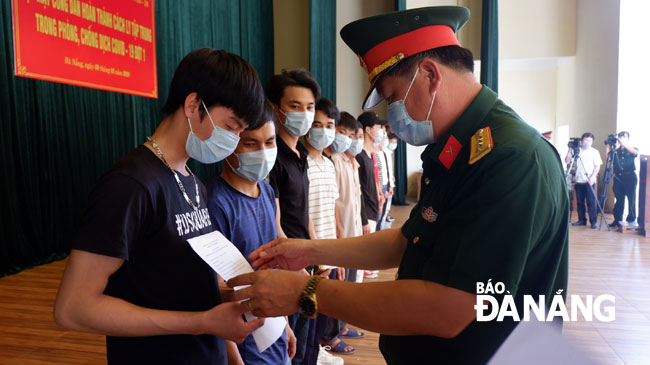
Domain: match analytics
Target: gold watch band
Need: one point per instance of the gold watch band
(311, 285)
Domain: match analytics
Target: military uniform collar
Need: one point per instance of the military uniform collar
(445, 151)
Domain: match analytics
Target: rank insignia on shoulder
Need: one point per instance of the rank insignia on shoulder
(481, 145)
(428, 214)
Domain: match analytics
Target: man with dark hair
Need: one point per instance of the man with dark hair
(387, 152)
(132, 274)
(588, 164)
(625, 179)
(294, 94)
(368, 176)
(241, 189)
(493, 208)
(372, 197)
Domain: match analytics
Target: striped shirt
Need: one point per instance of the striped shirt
(323, 192)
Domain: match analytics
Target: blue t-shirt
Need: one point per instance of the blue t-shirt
(248, 223)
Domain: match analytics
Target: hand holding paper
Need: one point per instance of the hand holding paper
(225, 259)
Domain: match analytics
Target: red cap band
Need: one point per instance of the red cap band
(415, 41)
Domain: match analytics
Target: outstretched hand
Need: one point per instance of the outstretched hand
(283, 253)
(271, 293)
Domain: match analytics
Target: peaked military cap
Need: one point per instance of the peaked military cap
(382, 41)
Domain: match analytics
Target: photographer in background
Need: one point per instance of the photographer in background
(625, 179)
(588, 165)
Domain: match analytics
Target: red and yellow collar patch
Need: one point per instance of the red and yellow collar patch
(449, 152)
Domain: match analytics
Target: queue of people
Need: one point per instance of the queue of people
(322, 220)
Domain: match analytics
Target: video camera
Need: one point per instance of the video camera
(574, 144)
(611, 140)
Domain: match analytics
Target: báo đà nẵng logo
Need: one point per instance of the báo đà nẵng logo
(488, 307)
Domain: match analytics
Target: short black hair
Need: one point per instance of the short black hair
(624, 134)
(359, 126)
(329, 108)
(370, 119)
(587, 135)
(295, 77)
(267, 116)
(392, 136)
(348, 121)
(455, 57)
(219, 78)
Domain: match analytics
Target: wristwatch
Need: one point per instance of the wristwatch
(308, 304)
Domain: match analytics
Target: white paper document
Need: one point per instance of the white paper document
(224, 258)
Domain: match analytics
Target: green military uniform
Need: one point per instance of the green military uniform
(503, 218)
(493, 207)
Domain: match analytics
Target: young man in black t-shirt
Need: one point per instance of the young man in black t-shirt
(132, 274)
(293, 94)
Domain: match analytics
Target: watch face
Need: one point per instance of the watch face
(307, 307)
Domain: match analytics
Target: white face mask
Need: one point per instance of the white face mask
(218, 146)
(407, 129)
(298, 123)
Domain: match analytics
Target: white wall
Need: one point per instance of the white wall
(352, 80)
(537, 29)
(633, 77)
(530, 88)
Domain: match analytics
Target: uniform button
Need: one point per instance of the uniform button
(416, 239)
(427, 181)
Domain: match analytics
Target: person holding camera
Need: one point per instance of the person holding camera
(588, 165)
(625, 179)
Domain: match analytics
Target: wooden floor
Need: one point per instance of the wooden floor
(601, 262)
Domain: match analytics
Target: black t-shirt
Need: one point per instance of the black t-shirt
(370, 206)
(136, 212)
(290, 184)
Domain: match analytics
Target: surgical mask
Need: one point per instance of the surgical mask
(586, 145)
(341, 143)
(320, 138)
(409, 130)
(218, 146)
(392, 146)
(355, 147)
(255, 165)
(298, 123)
(378, 138)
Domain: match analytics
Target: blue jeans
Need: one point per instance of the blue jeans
(300, 326)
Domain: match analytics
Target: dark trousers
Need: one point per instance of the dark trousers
(583, 192)
(625, 187)
(300, 326)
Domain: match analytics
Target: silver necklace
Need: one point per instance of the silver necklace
(178, 181)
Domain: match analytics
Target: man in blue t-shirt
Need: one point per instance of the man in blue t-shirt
(242, 207)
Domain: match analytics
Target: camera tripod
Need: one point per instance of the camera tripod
(576, 162)
(608, 174)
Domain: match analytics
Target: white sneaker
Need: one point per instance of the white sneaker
(325, 358)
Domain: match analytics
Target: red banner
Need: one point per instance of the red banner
(102, 44)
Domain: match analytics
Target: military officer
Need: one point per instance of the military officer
(493, 207)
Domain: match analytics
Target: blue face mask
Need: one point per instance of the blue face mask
(298, 123)
(355, 147)
(341, 143)
(320, 138)
(218, 146)
(391, 146)
(378, 138)
(255, 165)
(409, 130)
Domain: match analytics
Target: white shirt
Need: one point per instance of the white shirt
(323, 192)
(349, 201)
(589, 159)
